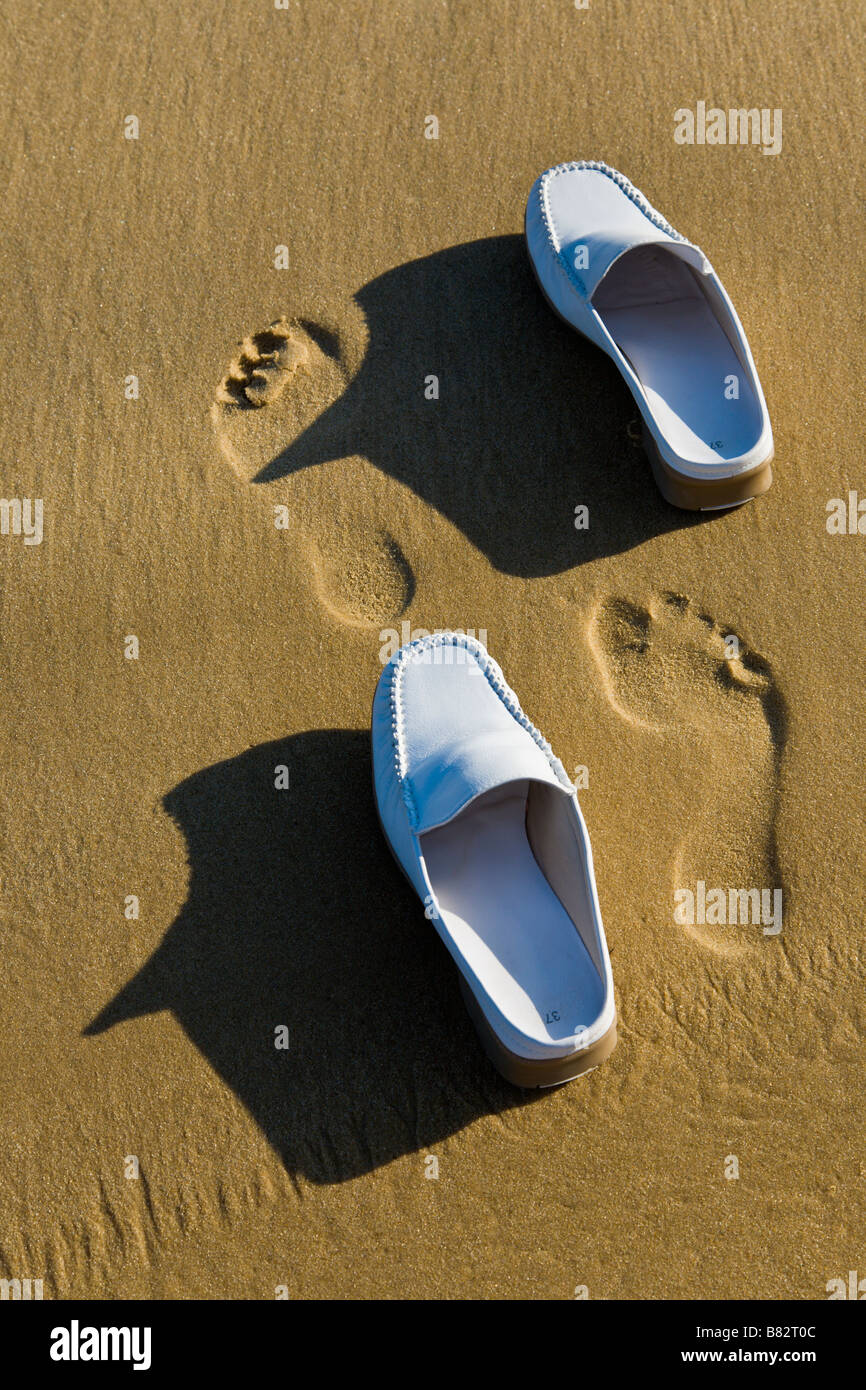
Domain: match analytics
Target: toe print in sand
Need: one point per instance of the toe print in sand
(281, 379)
(264, 366)
(671, 668)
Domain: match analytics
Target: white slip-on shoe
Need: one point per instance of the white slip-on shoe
(485, 824)
(615, 270)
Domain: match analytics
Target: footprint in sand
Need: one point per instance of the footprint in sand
(670, 668)
(281, 380)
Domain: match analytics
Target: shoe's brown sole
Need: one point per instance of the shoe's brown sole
(690, 494)
(699, 495)
(520, 1071)
(527, 1071)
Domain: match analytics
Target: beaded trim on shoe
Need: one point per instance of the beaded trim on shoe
(622, 182)
(414, 651)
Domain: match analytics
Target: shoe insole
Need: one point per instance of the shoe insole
(508, 923)
(662, 322)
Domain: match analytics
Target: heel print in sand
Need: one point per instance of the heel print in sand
(671, 668)
(369, 582)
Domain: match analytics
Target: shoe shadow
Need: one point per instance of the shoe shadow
(297, 916)
(531, 420)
